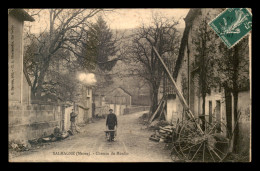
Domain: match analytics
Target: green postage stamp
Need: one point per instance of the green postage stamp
(232, 25)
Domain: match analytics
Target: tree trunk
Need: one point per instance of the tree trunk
(236, 129)
(38, 89)
(154, 99)
(228, 101)
(235, 94)
(203, 112)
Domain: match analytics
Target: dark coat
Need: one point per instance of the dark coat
(111, 119)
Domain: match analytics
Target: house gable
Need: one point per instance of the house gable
(193, 13)
(118, 92)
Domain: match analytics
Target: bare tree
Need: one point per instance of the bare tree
(65, 34)
(163, 35)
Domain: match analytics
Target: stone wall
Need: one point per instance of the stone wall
(29, 121)
(244, 106)
(102, 110)
(26, 90)
(83, 116)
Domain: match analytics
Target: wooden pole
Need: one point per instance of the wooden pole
(183, 101)
(157, 110)
(185, 105)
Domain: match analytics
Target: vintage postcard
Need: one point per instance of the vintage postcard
(129, 85)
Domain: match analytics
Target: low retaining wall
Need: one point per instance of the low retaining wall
(29, 121)
(134, 109)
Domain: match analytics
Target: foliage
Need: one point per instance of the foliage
(55, 54)
(102, 48)
(204, 42)
(225, 65)
(65, 32)
(100, 45)
(205, 46)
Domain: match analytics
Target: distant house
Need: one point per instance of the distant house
(118, 99)
(118, 96)
(186, 76)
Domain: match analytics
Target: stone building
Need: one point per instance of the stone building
(82, 106)
(186, 76)
(33, 118)
(26, 120)
(18, 81)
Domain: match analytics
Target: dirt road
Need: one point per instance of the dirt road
(132, 145)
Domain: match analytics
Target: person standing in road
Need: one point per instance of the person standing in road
(111, 122)
(73, 116)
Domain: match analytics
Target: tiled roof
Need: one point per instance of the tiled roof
(119, 88)
(20, 14)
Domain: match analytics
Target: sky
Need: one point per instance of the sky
(123, 18)
(131, 18)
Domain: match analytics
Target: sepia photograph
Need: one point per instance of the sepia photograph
(129, 85)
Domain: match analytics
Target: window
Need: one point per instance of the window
(218, 114)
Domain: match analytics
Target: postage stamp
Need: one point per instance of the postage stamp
(232, 25)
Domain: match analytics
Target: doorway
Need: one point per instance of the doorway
(218, 110)
(210, 111)
(218, 115)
